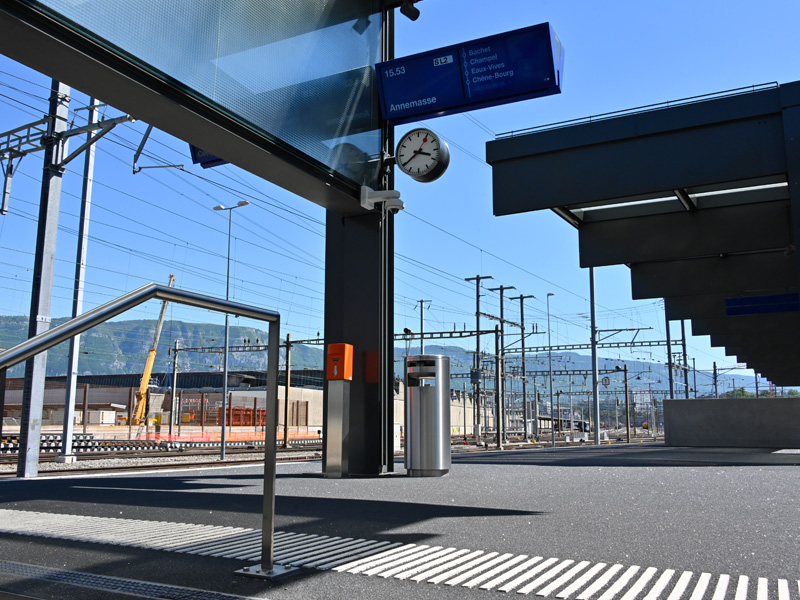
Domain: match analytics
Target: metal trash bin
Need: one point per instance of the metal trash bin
(427, 413)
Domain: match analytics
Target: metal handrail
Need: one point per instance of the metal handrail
(87, 320)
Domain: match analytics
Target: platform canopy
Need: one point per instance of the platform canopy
(283, 89)
(701, 199)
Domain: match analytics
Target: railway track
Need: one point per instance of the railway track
(288, 455)
(213, 450)
(154, 450)
(251, 453)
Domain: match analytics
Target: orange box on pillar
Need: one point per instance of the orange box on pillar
(340, 362)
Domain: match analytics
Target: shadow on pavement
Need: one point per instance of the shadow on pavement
(169, 498)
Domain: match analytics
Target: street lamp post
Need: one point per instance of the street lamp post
(225, 348)
(550, 369)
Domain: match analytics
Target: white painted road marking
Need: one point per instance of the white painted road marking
(563, 579)
(620, 583)
(600, 583)
(497, 570)
(529, 575)
(722, 587)
(545, 577)
(419, 563)
(502, 559)
(425, 575)
(505, 576)
(701, 586)
(783, 589)
(637, 587)
(680, 587)
(656, 591)
(581, 581)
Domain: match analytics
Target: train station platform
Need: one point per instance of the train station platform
(594, 523)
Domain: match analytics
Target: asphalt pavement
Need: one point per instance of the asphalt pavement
(729, 512)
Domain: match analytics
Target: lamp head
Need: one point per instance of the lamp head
(219, 207)
(243, 203)
(407, 9)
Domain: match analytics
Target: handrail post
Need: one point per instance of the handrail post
(267, 569)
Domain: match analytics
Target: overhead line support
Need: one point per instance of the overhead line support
(475, 375)
(501, 366)
(535, 433)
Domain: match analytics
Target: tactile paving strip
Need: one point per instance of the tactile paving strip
(139, 589)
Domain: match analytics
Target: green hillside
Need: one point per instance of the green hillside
(122, 346)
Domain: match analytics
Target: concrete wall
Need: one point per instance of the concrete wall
(733, 422)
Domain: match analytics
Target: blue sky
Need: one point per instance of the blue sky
(619, 55)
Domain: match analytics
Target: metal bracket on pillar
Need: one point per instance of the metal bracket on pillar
(104, 126)
(16, 144)
(390, 199)
(33, 137)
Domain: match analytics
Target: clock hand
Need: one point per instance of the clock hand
(413, 156)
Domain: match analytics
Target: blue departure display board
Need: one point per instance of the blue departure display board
(518, 65)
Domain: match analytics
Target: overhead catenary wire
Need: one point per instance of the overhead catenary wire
(464, 241)
(152, 258)
(236, 189)
(179, 215)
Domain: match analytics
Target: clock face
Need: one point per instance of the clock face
(422, 155)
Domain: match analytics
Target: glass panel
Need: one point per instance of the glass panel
(299, 71)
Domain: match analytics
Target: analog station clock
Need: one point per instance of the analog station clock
(422, 155)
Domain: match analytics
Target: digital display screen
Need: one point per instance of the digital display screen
(517, 65)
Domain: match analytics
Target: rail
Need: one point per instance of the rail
(759, 87)
(73, 327)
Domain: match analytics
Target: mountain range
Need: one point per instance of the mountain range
(121, 346)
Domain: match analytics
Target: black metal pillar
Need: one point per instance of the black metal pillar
(287, 386)
(669, 359)
(498, 387)
(354, 294)
(685, 361)
(791, 121)
(174, 392)
(595, 378)
(627, 407)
